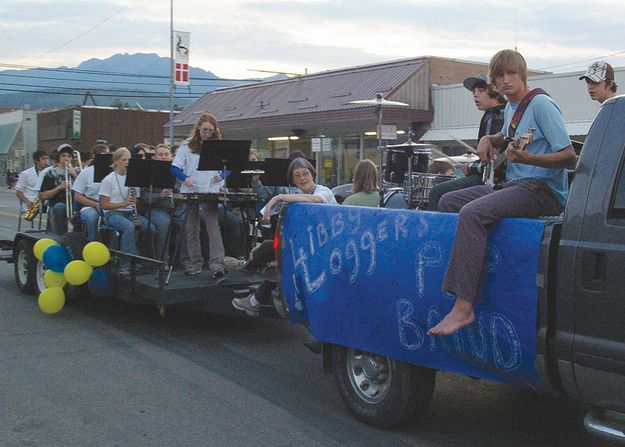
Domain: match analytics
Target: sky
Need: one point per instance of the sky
(232, 37)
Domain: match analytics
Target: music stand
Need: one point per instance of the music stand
(147, 172)
(276, 170)
(222, 155)
(243, 179)
(102, 166)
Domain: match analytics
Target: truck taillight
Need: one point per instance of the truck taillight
(276, 244)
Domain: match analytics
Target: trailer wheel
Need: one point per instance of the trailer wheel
(40, 270)
(25, 266)
(379, 390)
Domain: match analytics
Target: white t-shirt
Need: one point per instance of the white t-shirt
(27, 183)
(85, 185)
(114, 187)
(322, 191)
(204, 181)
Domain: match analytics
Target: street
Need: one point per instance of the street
(106, 373)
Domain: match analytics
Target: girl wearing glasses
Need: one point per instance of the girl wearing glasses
(184, 167)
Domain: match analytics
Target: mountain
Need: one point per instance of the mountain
(135, 80)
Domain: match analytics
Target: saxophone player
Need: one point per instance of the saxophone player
(26, 186)
(54, 188)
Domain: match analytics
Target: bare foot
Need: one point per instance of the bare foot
(461, 315)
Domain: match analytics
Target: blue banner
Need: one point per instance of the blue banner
(370, 279)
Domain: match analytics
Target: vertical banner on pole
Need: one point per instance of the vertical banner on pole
(181, 57)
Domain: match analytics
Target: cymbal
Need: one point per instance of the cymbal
(379, 101)
(466, 158)
(408, 143)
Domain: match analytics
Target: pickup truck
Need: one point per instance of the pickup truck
(551, 311)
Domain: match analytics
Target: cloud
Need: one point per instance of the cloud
(227, 37)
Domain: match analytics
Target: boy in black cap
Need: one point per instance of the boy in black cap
(54, 187)
(489, 100)
(599, 79)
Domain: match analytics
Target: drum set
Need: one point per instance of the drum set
(406, 181)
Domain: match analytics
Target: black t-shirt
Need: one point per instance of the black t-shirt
(51, 180)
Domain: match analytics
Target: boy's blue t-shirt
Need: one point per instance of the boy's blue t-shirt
(544, 115)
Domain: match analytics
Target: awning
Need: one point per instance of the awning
(7, 136)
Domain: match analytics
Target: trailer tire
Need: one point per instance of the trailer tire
(25, 266)
(381, 391)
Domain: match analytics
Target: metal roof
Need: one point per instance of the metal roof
(320, 92)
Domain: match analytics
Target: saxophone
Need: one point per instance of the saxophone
(32, 211)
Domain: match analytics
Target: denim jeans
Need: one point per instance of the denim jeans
(58, 218)
(122, 221)
(90, 217)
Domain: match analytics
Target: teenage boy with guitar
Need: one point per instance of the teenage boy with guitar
(536, 182)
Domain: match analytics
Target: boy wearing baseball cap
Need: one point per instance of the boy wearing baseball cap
(599, 79)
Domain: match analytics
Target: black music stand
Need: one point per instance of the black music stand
(150, 173)
(102, 166)
(144, 172)
(243, 179)
(276, 170)
(222, 155)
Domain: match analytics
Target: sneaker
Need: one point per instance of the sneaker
(217, 275)
(193, 270)
(234, 264)
(124, 273)
(245, 305)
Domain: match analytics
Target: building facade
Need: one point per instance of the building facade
(315, 113)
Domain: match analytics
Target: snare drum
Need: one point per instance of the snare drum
(421, 186)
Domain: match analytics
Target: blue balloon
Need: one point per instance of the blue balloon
(100, 282)
(56, 257)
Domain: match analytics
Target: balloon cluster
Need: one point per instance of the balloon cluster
(63, 270)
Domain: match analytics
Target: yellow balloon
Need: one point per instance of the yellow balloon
(54, 279)
(77, 272)
(40, 247)
(96, 254)
(51, 300)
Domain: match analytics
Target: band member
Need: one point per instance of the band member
(163, 212)
(302, 174)
(25, 188)
(184, 167)
(55, 187)
(365, 188)
(492, 103)
(537, 183)
(87, 194)
(119, 205)
(599, 79)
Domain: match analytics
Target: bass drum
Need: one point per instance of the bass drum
(395, 199)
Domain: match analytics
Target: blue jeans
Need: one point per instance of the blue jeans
(58, 218)
(161, 219)
(90, 217)
(122, 221)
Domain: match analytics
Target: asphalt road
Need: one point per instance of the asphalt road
(105, 373)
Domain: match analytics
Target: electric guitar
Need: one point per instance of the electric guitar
(494, 173)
